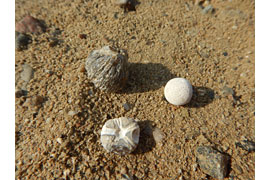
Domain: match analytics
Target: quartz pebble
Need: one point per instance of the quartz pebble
(30, 24)
(120, 135)
(158, 135)
(178, 91)
(27, 73)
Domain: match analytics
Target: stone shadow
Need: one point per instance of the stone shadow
(147, 141)
(130, 5)
(201, 97)
(146, 77)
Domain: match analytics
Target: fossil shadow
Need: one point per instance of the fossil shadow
(147, 141)
(146, 77)
(201, 97)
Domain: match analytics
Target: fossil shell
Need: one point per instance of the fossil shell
(120, 135)
(107, 68)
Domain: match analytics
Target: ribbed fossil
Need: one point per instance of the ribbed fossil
(107, 68)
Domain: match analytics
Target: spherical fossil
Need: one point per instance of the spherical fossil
(178, 91)
(107, 68)
(120, 135)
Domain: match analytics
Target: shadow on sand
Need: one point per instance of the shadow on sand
(201, 97)
(147, 141)
(146, 77)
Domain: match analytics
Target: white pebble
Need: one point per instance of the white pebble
(178, 91)
(59, 140)
(72, 113)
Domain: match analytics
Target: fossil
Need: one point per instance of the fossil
(120, 135)
(107, 68)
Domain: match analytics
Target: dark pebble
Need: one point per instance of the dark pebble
(82, 36)
(19, 93)
(53, 43)
(21, 41)
(225, 54)
(212, 162)
(246, 145)
(37, 100)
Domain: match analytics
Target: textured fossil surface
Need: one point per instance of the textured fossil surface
(120, 135)
(107, 68)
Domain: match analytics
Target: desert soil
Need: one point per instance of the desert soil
(58, 121)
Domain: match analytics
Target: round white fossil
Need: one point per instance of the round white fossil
(178, 91)
(120, 135)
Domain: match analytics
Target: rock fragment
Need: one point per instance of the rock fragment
(158, 135)
(246, 145)
(30, 24)
(27, 73)
(126, 106)
(21, 41)
(212, 162)
(208, 9)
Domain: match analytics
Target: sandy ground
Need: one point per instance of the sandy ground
(58, 136)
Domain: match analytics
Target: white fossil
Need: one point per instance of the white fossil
(178, 91)
(120, 135)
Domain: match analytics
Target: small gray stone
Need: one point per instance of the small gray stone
(27, 73)
(208, 9)
(212, 162)
(72, 113)
(227, 91)
(126, 106)
(158, 135)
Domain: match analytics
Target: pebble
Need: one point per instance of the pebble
(208, 9)
(48, 120)
(227, 91)
(72, 113)
(82, 36)
(19, 93)
(27, 73)
(178, 91)
(21, 41)
(246, 145)
(37, 100)
(212, 162)
(225, 54)
(30, 24)
(53, 42)
(126, 106)
(59, 140)
(158, 135)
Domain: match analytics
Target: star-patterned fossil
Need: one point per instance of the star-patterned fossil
(120, 135)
